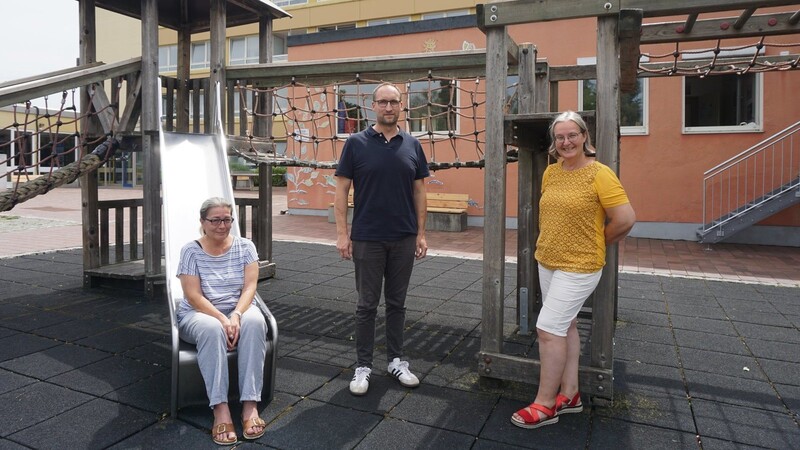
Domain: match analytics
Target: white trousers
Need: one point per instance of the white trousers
(563, 294)
(207, 334)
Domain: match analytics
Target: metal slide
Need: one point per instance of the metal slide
(194, 167)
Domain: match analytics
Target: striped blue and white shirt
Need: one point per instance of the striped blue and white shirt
(221, 277)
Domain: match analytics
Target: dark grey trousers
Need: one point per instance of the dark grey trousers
(375, 261)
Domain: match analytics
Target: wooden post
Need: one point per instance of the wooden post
(184, 65)
(151, 196)
(217, 63)
(262, 127)
(608, 73)
(89, 127)
(494, 196)
(527, 281)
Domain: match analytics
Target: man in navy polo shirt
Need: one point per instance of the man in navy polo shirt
(387, 169)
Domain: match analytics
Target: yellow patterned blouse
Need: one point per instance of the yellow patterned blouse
(572, 216)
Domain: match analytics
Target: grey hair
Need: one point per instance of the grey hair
(588, 150)
(213, 202)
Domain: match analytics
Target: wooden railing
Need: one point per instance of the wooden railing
(128, 233)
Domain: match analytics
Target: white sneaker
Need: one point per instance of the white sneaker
(399, 370)
(360, 383)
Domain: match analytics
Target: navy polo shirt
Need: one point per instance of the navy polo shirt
(383, 175)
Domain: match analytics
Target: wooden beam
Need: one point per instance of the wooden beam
(526, 11)
(630, 30)
(527, 279)
(105, 113)
(279, 74)
(218, 14)
(89, 195)
(512, 51)
(594, 381)
(80, 76)
(184, 71)
(660, 8)
(494, 193)
(689, 24)
(151, 97)
(742, 19)
(712, 29)
(48, 75)
(607, 142)
(133, 107)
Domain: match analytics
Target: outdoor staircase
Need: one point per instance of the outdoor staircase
(751, 186)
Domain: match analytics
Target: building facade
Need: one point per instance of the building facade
(673, 128)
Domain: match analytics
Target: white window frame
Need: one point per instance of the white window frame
(206, 63)
(444, 14)
(249, 41)
(752, 127)
(166, 64)
(387, 21)
(283, 3)
(634, 130)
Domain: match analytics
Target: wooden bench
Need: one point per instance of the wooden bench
(243, 180)
(446, 212)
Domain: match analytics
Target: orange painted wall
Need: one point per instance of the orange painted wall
(662, 171)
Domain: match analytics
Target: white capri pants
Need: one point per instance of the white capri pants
(563, 294)
(207, 334)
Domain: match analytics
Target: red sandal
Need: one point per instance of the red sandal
(531, 421)
(566, 406)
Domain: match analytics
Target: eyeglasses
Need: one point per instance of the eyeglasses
(384, 103)
(572, 137)
(227, 221)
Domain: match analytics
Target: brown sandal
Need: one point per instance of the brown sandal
(223, 428)
(251, 423)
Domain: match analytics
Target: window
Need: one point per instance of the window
(200, 55)
(443, 14)
(722, 103)
(280, 101)
(354, 107)
(339, 27)
(372, 23)
(244, 50)
(289, 2)
(58, 151)
(237, 101)
(632, 105)
(168, 58)
(512, 94)
(431, 107)
(280, 50)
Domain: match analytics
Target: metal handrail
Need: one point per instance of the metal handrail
(751, 178)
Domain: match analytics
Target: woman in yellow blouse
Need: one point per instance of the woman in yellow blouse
(583, 209)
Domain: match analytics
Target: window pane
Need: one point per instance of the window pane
(631, 107)
(429, 106)
(720, 100)
(354, 108)
(237, 49)
(252, 49)
(199, 56)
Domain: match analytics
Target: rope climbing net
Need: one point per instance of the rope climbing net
(311, 122)
(41, 140)
(720, 60)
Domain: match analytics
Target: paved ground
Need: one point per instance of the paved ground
(699, 363)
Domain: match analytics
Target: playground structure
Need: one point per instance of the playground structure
(620, 34)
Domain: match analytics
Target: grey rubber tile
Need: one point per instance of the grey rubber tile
(572, 430)
(435, 406)
(745, 425)
(735, 390)
(54, 361)
(167, 433)
(35, 403)
(302, 377)
(106, 375)
(610, 433)
(383, 395)
(405, 435)
(10, 381)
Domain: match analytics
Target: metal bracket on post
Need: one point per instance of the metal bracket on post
(523, 311)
